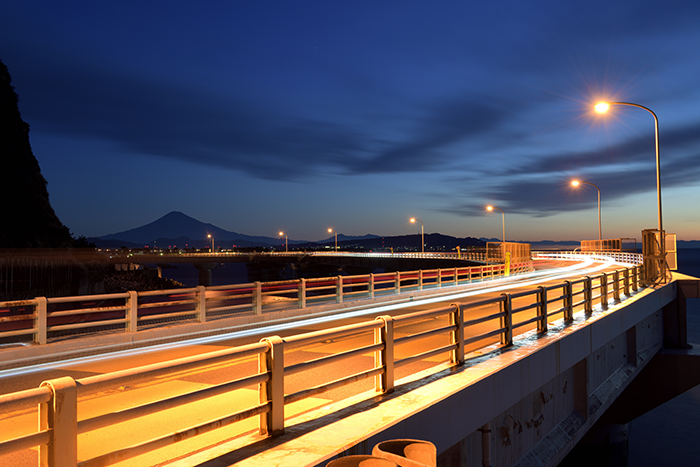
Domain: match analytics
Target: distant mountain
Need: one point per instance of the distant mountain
(402, 242)
(347, 238)
(176, 228)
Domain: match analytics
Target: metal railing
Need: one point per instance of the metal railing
(476, 254)
(463, 327)
(617, 256)
(43, 317)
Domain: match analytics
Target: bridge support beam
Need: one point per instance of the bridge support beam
(205, 275)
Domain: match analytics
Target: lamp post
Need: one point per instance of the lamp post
(336, 238)
(600, 229)
(601, 108)
(503, 219)
(212, 242)
(422, 233)
(286, 244)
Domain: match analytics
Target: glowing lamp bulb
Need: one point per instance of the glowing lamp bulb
(413, 220)
(489, 208)
(602, 107)
(575, 183)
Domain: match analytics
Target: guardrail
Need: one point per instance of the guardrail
(42, 317)
(466, 255)
(489, 321)
(618, 256)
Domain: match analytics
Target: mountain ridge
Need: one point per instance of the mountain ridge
(181, 230)
(177, 228)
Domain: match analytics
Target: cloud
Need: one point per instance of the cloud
(92, 100)
(540, 187)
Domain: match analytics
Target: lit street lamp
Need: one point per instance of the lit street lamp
(212, 242)
(603, 107)
(422, 234)
(286, 244)
(336, 238)
(503, 219)
(600, 230)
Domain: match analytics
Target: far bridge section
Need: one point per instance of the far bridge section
(305, 264)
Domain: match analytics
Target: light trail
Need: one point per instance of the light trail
(495, 285)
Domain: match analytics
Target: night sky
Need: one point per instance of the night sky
(263, 116)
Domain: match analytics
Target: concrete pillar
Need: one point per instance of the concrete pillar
(205, 270)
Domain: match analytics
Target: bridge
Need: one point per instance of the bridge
(494, 367)
(347, 261)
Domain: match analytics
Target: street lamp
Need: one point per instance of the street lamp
(336, 238)
(212, 242)
(601, 108)
(600, 230)
(503, 219)
(286, 244)
(422, 233)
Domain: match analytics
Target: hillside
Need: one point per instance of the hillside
(25, 206)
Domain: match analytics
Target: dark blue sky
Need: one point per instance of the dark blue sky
(299, 116)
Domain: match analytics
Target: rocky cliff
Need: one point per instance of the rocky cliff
(27, 219)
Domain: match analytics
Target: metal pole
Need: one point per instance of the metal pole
(600, 228)
(422, 238)
(658, 161)
(503, 223)
(422, 234)
(503, 219)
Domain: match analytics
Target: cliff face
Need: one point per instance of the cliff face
(27, 219)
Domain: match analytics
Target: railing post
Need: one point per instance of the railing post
(301, 293)
(201, 303)
(588, 294)
(604, 291)
(257, 298)
(457, 334)
(40, 315)
(506, 320)
(568, 301)
(60, 416)
(384, 358)
(339, 289)
(420, 279)
(132, 304)
(542, 309)
(626, 274)
(616, 285)
(456, 276)
(635, 279)
(397, 283)
(371, 285)
(439, 278)
(481, 272)
(272, 391)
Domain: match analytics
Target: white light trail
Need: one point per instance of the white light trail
(585, 266)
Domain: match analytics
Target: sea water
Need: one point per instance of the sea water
(668, 435)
